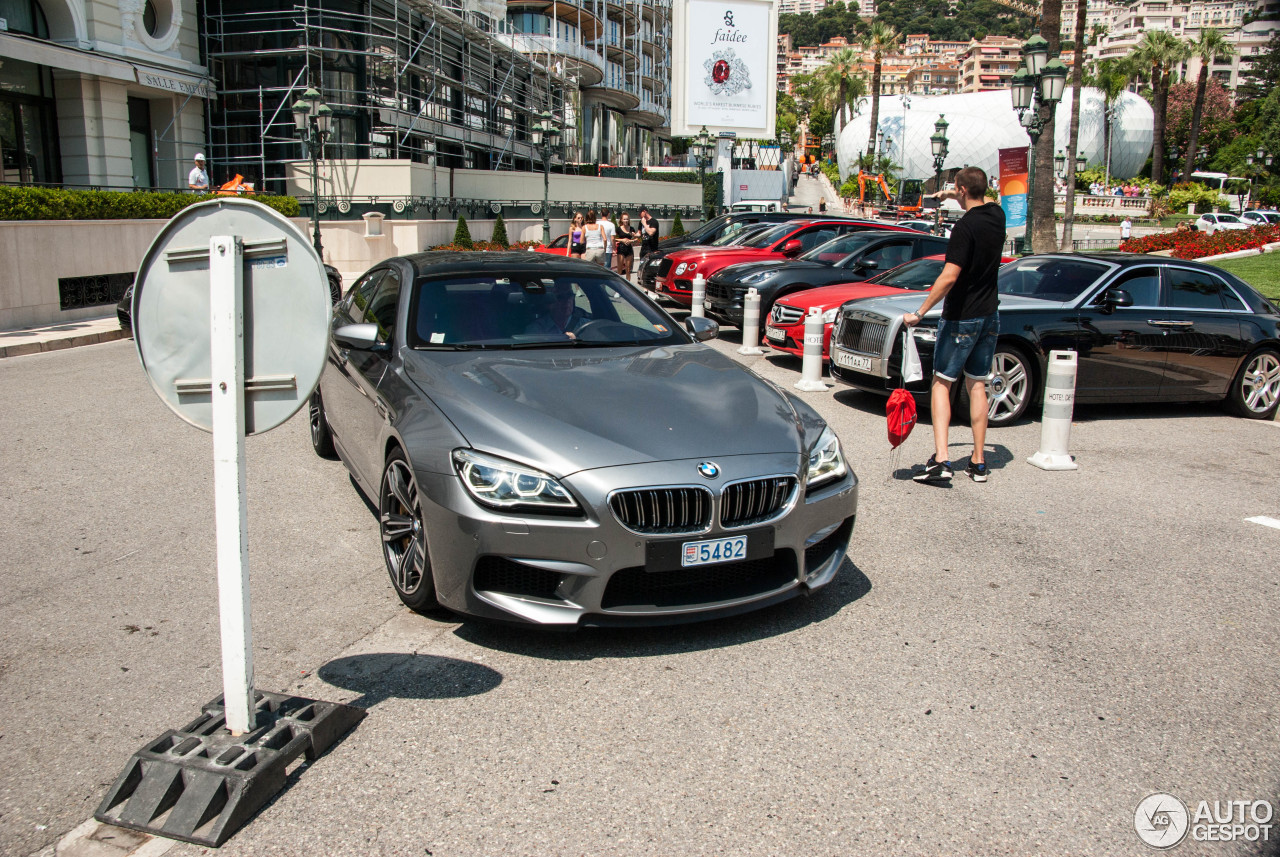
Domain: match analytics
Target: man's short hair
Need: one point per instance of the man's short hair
(974, 182)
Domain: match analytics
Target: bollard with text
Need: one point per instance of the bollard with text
(698, 309)
(1059, 402)
(751, 324)
(811, 363)
(227, 286)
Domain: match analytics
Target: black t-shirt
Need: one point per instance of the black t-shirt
(624, 249)
(976, 244)
(648, 243)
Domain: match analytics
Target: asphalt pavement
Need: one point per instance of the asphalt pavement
(1003, 668)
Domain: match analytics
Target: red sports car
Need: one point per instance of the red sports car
(784, 328)
(558, 247)
(784, 241)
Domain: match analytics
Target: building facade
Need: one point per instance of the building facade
(99, 94)
(989, 64)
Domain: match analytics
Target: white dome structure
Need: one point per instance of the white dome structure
(981, 123)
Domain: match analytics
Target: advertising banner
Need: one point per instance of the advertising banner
(1013, 186)
(724, 69)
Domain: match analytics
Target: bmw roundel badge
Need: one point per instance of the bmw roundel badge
(709, 469)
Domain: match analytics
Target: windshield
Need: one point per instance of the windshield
(523, 310)
(741, 234)
(711, 227)
(1228, 218)
(841, 247)
(1049, 279)
(918, 275)
(769, 236)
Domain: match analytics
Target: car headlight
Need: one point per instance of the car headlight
(502, 484)
(826, 459)
(829, 317)
(758, 277)
(925, 334)
(680, 268)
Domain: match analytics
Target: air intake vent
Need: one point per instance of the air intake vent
(754, 502)
(663, 510)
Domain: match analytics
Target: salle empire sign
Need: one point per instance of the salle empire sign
(727, 74)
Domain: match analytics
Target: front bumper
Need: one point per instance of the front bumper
(591, 570)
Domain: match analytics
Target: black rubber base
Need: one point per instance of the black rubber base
(200, 784)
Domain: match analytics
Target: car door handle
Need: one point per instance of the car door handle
(381, 406)
(1178, 325)
(343, 356)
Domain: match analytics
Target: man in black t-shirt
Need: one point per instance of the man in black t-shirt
(648, 233)
(970, 321)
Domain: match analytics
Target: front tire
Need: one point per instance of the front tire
(1255, 391)
(404, 536)
(1010, 390)
(321, 435)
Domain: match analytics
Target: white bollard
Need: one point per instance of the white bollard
(811, 370)
(751, 324)
(699, 307)
(1055, 425)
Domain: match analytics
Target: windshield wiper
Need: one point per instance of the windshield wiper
(458, 346)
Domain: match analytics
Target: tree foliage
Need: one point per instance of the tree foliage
(462, 235)
(837, 19)
(1217, 123)
(1263, 75)
(500, 232)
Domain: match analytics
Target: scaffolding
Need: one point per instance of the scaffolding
(397, 74)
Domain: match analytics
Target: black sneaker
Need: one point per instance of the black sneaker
(977, 471)
(934, 471)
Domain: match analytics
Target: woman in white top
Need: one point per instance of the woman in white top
(595, 240)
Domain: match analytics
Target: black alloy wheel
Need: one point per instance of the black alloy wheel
(321, 436)
(404, 536)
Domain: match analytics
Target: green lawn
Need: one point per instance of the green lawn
(1261, 272)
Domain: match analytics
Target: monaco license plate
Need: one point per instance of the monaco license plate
(714, 550)
(775, 334)
(853, 361)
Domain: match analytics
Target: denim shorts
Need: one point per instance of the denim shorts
(968, 345)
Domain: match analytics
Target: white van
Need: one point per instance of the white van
(756, 205)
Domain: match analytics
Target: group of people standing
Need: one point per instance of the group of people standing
(595, 238)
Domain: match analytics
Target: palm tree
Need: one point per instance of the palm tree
(1111, 77)
(1044, 232)
(1162, 52)
(1211, 46)
(1073, 137)
(841, 85)
(880, 40)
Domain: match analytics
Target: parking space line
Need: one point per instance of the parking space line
(1265, 521)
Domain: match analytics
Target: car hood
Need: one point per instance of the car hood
(743, 269)
(830, 296)
(565, 410)
(905, 302)
(688, 254)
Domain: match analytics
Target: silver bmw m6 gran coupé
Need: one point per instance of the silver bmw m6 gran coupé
(545, 445)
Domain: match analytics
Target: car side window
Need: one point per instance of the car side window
(382, 309)
(1195, 290)
(360, 295)
(888, 255)
(814, 237)
(931, 247)
(1142, 284)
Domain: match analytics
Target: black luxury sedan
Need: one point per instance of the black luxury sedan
(1145, 329)
(656, 265)
(849, 258)
(546, 445)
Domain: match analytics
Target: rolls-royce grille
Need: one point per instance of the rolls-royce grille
(752, 502)
(635, 587)
(719, 290)
(863, 335)
(663, 510)
(786, 314)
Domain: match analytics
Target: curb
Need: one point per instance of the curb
(58, 344)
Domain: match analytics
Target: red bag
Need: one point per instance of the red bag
(901, 413)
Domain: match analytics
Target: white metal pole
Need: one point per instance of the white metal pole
(811, 367)
(698, 309)
(226, 322)
(751, 324)
(1059, 402)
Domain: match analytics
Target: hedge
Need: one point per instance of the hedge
(43, 203)
(680, 178)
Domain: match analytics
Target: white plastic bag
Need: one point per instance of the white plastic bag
(911, 370)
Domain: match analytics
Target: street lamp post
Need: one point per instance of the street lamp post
(314, 123)
(828, 144)
(430, 148)
(545, 134)
(1039, 83)
(701, 150)
(939, 144)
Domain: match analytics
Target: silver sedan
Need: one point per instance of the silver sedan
(545, 445)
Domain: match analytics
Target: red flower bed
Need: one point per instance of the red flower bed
(1197, 245)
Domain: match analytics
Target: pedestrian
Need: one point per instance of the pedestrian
(966, 336)
(577, 236)
(198, 179)
(648, 233)
(822, 205)
(594, 239)
(624, 252)
(1126, 229)
(610, 234)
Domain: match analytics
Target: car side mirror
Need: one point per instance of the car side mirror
(792, 248)
(701, 329)
(1113, 298)
(868, 265)
(359, 337)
